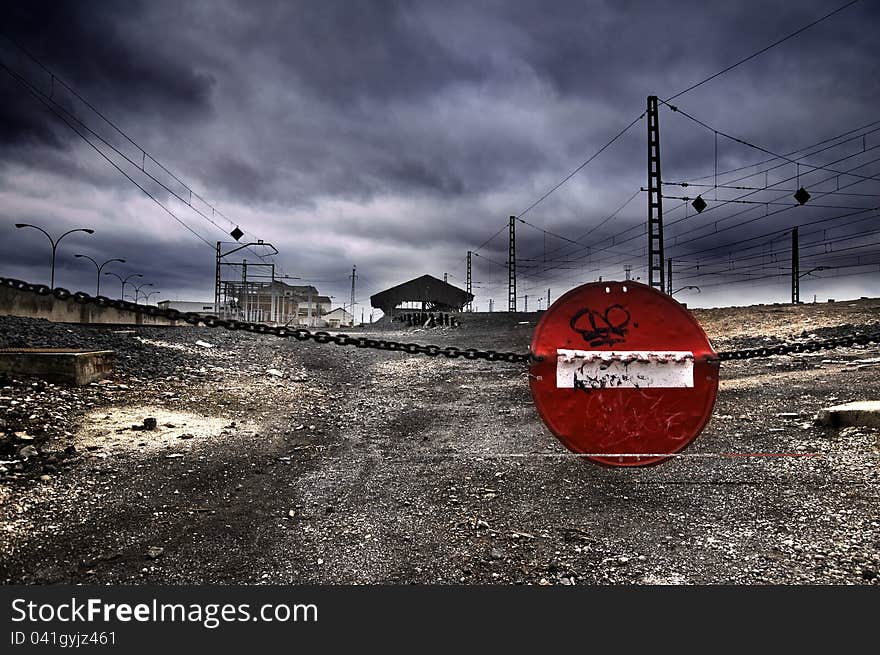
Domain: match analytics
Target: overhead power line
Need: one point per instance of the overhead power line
(503, 227)
(596, 250)
(680, 93)
(786, 273)
(38, 95)
(489, 260)
(809, 150)
(48, 99)
(764, 49)
(597, 226)
(581, 166)
(748, 144)
(766, 188)
(845, 137)
(826, 244)
(818, 194)
(57, 80)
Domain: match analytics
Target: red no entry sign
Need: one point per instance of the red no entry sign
(626, 374)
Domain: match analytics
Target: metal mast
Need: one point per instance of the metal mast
(470, 288)
(795, 268)
(656, 277)
(511, 267)
(217, 281)
(353, 278)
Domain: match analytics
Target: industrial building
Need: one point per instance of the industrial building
(426, 293)
(274, 302)
(338, 318)
(188, 306)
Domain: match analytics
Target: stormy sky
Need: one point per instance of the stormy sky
(396, 136)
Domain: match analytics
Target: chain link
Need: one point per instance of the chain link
(802, 346)
(300, 334)
(451, 352)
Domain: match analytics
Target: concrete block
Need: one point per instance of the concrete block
(865, 413)
(57, 364)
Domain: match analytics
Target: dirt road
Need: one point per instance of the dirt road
(282, 462)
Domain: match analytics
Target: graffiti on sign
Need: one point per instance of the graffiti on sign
(622, 372)
(602, 328)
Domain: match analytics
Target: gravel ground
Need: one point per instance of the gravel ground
(282, 462)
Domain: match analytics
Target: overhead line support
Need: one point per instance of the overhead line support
(795, 268)
(656, 276)
(470, 288)
(511, 267)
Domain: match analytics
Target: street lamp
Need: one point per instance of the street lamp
(137, 289)
(147, 294)
(691, 286)
(99, 267)
(124, 280)
(55, 242)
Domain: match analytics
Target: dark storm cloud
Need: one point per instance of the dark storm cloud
(101, 47)
(398, 135)
(167, 267)
(348, 51)
(242, 178)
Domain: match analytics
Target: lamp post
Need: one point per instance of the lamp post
(99, 267)
(691, 286)
(124, 280)
(147, 294)
(137, 289)
(55, 242)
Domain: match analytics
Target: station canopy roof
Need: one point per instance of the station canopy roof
(436, 294)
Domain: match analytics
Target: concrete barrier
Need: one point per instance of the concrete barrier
(865, 413)
(29, 305)
(57, 364)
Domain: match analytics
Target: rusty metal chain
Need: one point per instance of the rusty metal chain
(451, 352)
(300, 334)
(801, 347)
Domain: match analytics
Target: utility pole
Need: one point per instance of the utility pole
(655, 201)
(669, 276)
(353, 278)
(244, 291)
(548, 298)
(217, 280)
(795, 268)
(527, 302)
(222, 287)
(470, 287)
(446, 278)
(491, 305)
(627, 271)
(511, 267)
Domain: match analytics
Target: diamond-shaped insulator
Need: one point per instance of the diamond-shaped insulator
(236, 234)
(801, 195)
(699, 204)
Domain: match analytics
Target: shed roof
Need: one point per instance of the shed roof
(426, 288)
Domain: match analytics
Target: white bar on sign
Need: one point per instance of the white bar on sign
(624, 369)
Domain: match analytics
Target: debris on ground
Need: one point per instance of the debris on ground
(389, 468)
